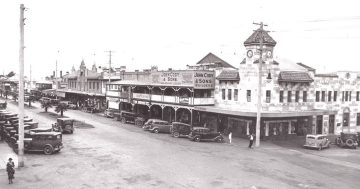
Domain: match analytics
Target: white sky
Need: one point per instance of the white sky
(173, 33)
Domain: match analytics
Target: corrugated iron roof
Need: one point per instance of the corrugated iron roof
(229, 75)
(288, 76)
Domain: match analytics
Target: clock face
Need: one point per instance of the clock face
(249, 53)
(269, 53)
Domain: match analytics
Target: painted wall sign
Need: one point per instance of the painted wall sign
(196, 79)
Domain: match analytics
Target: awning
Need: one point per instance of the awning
(81, 92)
(247, 113)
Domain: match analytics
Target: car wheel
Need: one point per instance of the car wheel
(48, 150)
(197, 139)
(349, 142)
(123, 120)
(176, 134)
(156, 131)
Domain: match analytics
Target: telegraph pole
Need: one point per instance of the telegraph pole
(21, 89)
(110, 51)
(258, 114)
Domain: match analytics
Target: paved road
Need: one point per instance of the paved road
(114, 155)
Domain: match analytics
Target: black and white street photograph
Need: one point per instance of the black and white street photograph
(179, 94)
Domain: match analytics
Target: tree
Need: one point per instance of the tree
(10, 74)
(46, 105)
(61, 107)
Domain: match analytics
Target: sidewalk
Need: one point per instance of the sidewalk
(5, 153)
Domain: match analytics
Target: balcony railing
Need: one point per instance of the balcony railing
(174, 99)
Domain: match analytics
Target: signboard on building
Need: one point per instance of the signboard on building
(188, 78)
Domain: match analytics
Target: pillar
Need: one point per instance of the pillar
(247, 127)
(289, 129)
(191, 118)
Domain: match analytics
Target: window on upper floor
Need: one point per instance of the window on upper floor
(93, 85)
(343, 96)
(97, 87)
(223, 94)
(89, 85)
(317, 96)
(297, 96)
(236, 91)
(335, 96)
(248, 95)
(322, 96)
(358, 119)
(349, 95)
(346, 95)
(304, 96)
(329, 96)
(268, 96)
(289, 96)
(357, 95)
(229, 94)
(281, 96)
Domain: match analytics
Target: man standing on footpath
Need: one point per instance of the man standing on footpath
(251, 140)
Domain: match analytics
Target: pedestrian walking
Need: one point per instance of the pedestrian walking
(251, 140)
(10, 168)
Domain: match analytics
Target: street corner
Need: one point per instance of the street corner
(6, 153)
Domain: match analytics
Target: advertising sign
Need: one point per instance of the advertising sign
(190, 78)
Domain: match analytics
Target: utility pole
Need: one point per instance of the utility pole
(258, 114)
(30, 79)
(21, 89)
(110, 51)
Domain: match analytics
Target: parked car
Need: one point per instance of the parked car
(198, 134)
(317, 141)
(45, 99)
(350, 140)
(64, 125)
(48, 142)
(110, 113)
(179, 129)
(125, 116)
(157, 126)
(68, 104)
(54, 101)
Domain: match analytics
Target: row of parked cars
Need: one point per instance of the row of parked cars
(175, 129)
(349, 140)
(46, 140)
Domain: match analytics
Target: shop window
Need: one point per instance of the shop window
(304, 96)
(236, 94)
(322, 96)
(358, 119)
(281, 96)
(297, 93)
(268, 96)
(335, 96)
(329, 96)
(289, 96)
(229, 94)
(223, 94)
(317, 97)
(248, 95)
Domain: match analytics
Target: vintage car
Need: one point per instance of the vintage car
(110, 113)
(198, 134)
(157, 126)
(64, 125)
(180, 129)
(45, 100)
(69, 104)
(317, 141)
(350, 140)
(47, 142)
(125, 116)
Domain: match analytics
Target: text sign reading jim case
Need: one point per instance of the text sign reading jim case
(196, 79)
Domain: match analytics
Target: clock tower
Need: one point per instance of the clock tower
(252, 44)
